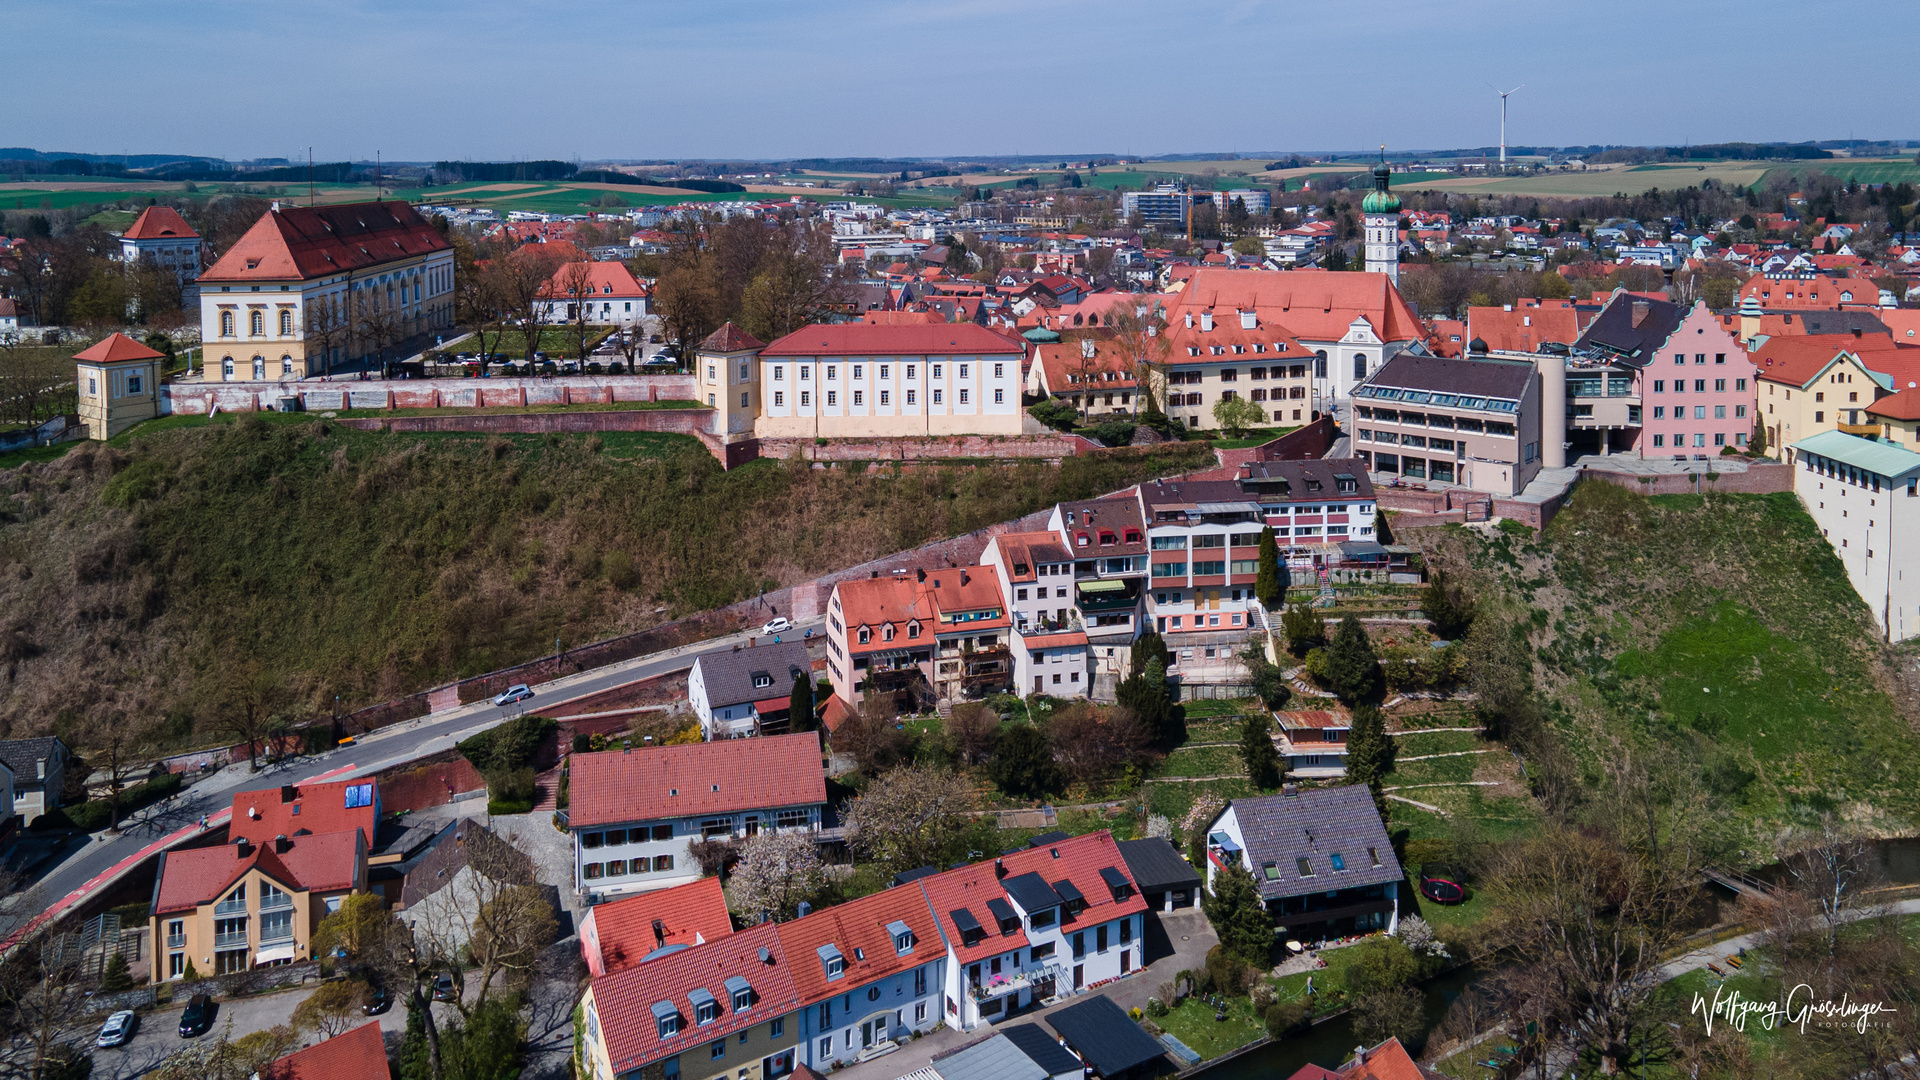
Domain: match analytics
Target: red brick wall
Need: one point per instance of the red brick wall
(1051, 445)
(678, 421)
(418, 787)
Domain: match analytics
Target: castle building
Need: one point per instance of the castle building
(160, 233)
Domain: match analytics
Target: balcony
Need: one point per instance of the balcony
(271, 935)
(278, 902)
(230, 941)
(230, 907)
(1013, 981)
(176, 941)
(1865, 431)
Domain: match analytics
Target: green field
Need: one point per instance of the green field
(1868, 170)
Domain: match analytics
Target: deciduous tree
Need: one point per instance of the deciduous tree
(970, 732)
(776, 871)
(909, 817)
(1091, 743)
(1236, 415)
(331, 1009)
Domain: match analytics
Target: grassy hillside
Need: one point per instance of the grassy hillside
(1714, 635)
(365, 564)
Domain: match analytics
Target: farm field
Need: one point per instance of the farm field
(1600, 182)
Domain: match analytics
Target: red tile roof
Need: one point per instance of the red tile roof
(1020, 552)
(617, 935)
(863, 339)
(114, 348)
(324, 862)
(264, 813)
(1314, 718)
(159, 223)
(1313, 304)
(1054, 641)
(902, 318)
(721, 777)
(1796, 359)
(858, 929)
(1810, 291)
(303, 242)
(1078, 859)
(731, 338)
(1903, 405)
(608, 280)
(624, 1000)
(1525, 329)
(902, 599)
(1066, 368)
(359, 1054)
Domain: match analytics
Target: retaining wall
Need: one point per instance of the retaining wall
(198, 397)
(1307, 444)
(1759, 478)
(691, 421)
(1052, 446)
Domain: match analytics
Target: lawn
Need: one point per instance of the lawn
(1202, 708)
(1868, 170)
(1207, 761)
(1254, 437)
(1193, 1023)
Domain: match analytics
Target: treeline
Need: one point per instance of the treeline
(1730, 151)
(451, 171)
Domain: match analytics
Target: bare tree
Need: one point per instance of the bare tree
(44, 988)
(970, 731)
(575, 283)
(365, 932)
(492, 913)
(326, 329)
(1091, 743)
(375, 319)
(521, 281)
(1833, 866)
(776, 871)
(909, 817)
(119, 743)
(1140, 333)
(871, 735)
(247, 698)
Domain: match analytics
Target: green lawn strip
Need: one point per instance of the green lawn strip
(13, 459)
(1434, 771)
(1329, 983)
(1193, 1023)
(1439, 742)
(1174, 797)
(1206, 761)
(1255, 437)
(1203, 708)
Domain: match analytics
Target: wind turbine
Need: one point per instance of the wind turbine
(1503, 118)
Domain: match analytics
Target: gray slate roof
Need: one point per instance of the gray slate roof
(1316, 824)
(996, 1058)
(1456, 375)
(1100, 1032)
(729, 675)
(1633, 327)
(1031, 892)
(1156, 865)
(1042, 1049)
(23, 755)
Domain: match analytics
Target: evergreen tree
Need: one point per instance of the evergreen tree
(1304, 627)
(1144, 693)
(1239, 918)
(1264, 765)
(1370, 753)
(1270, 585)
(1022, 762)
(800, 705)
(1447, 606)
(1757, 442)
(1148, 646)
(413, 1062)
(1352, 668)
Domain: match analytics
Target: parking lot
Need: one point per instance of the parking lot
(159, 1033)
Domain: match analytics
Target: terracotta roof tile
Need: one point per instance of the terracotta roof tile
(114, 348)
(730, 338)
(861, 339)
(617, 935)
(359, 1054)
(624, 1000)
(264, 813)
(654, 783)
(322, 862)
(159, 223)
(1312, 304)
(303, 242)
(1078, 859)
(1904, 405)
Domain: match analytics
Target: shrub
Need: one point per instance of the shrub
(510, 791)
(1135, 1013)
(1287, 1018)
(1056, 414)
(1263, 994)
(1156, 1008)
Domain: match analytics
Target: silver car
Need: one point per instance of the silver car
(119, 1028)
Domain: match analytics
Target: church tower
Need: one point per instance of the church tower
(1381, 210)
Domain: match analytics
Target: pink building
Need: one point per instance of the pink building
(1693, 385)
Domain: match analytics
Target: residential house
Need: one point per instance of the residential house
(869, 973)
(9, 319)
(1345, 324)
(1049, 643)
(1102, 1034)
(1474, 421)
(726, 374)
(294, 852)
(858, 380)
(742, 692)
(1205, 539)
(728, 1008)
(308, 288)
(920, 637)
(1696, 384)
(1320, 859)
(39, 768)
(1108, 539)
(162, 236)
(1166, 880)
(1096, 377)
(635, 814)
(1313, 742)
(1387, 1061)
(610, 293)
(1206, 360)
(356, 1054)
(1898, 415)
(1814, 383)
(1865, 498)
(1016, 1052)
(117, 385)
(1805, 290)
(635, 929)
(1525, 326)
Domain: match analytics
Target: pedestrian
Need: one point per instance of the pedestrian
(203, 821)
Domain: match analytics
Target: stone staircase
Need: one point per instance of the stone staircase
(547, 790)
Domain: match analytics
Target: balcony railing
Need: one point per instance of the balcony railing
(230, 907)
(271, 934)
(230, 941)
(176, 941)
(1008, 982)
(276, 903)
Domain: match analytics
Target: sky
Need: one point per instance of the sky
(664, 79)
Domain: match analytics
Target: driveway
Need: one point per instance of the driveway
(159, 1034)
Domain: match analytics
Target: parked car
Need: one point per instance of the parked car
(516, 692)
(443, 988)
(198, 1016)
(378, 1000)
(778, 626)
(119, 1028)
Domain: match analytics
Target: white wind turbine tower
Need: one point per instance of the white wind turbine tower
(1503, 118)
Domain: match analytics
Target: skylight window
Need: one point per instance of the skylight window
(1271, 870)
(1304, 865)
(1339, 861)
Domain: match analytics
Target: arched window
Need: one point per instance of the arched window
(226, 324)
(1359, 365)
(259, 369)
(1320, 364)
(226, 367)
(286, 367)
(257, 323)
(286, 322)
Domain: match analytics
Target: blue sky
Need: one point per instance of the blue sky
(505, 79)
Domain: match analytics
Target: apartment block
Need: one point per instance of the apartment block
(1865, 497)
(864, 380)
(1474, 422)
(919, 637)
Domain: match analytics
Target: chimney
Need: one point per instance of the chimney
(242, 847)
(1506, 307)
(659, 933)
(1856, 331)
(803, 910)
(873, 573)
(288, 793)
(1248, 320)
(1360, 1055)
(1526, 320)
(1640, 310)
(920, 573)
(963, 578)
(1290, 790)
(282, 845)
(1206, 320)
(999, 868)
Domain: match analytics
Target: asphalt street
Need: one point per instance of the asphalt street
(376, 751)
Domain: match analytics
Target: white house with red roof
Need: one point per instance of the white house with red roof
(1049, 644)
(310, 287)
(635, 814)
(609, 291)
(858, 380)
(635, 929)
(160, 234)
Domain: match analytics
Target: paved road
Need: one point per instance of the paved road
(178, 819)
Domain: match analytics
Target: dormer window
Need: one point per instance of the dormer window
(913, 629)
(866, 635)
(1117, 883)
(903, 939)
(666, 1019)
(740, 992)
(886, 632)
(832, 961)
(762, 680)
